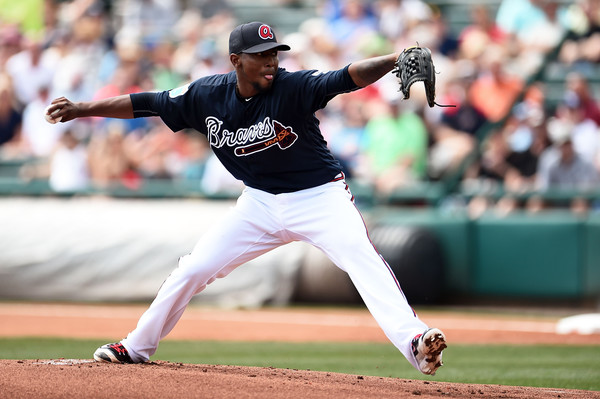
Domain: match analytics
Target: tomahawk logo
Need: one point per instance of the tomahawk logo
(284, 138)
(255, 138)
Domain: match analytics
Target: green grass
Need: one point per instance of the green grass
(570, 367)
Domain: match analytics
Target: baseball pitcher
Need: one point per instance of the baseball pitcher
(260, 122)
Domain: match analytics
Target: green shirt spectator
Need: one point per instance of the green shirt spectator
(397, 140)
(27, 13)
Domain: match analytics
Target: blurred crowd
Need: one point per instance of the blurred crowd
(92, 49)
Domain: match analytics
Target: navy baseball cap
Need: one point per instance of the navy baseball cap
(254, 37)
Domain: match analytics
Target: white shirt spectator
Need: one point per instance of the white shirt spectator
(30, 70)
(586, 140)
(40, 136)
(69, 167)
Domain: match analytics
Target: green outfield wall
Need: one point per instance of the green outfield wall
(549, 255)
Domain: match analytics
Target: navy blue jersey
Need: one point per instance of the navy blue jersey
(271, 141)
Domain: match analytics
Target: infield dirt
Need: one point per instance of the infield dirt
(83, 378)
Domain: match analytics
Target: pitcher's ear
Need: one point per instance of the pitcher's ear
(235, 59)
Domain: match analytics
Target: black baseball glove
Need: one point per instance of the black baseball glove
(414, 64)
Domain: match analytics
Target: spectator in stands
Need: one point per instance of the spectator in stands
(481, 32)
(150, 20)
(580, 86)
(510, 152)
(321, 52)
(31, 70)
(161, 74)
(196, 35)
(453, 137)
(10, 118)
(562, 168)
(183, 49)
(10, 43)
(525, 135)
(196, 154)
(465, 117)
(82, 46)
(491, 165)
(534, 27)
(509, 161)
(344, 130)
(582, 42)
(189, 40)
(109, 162)
(40, 138)
(395, 146)
(69, 165)
(74, 75)
(207, 62)
(446, 42)
(541, 38)
(126, 51)
(126, 80)
(585, 134)
(515, 17)
(494, 91)
(212, 9)
(396, 17)
(153, 154)
(354, 24)
(448, 149)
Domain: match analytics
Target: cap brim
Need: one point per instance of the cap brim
(259, 48)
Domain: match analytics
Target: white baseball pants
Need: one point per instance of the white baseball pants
(324, 216)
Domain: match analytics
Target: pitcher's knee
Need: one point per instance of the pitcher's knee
(192, 272)
(200, 272)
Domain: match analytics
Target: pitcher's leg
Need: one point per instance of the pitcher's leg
(382, 294)
(333, 224)
(380, 290)
(232, 243)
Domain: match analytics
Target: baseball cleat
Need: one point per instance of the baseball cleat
(112, 353)
(427, 348)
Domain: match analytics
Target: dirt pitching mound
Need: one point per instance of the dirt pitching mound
(76, 378)
(81, 378)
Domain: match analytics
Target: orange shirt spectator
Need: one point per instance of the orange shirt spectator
(494, 91)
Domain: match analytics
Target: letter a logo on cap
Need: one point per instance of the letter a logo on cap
(265, 32)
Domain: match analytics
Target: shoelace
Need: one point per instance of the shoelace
(119, 348)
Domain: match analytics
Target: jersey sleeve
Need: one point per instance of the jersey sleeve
(175, 107)
(318, 87)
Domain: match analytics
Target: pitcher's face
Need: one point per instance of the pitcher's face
(255, 72)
